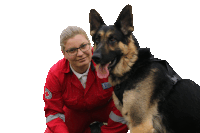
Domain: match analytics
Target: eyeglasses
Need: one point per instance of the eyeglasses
(74, 51)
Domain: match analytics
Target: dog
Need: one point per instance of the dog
(151, 96)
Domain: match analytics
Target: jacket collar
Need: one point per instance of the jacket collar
(78, 74)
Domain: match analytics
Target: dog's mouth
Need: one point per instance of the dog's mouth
(112, 64)
(104, 69)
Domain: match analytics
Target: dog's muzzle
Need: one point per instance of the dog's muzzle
(96, 57)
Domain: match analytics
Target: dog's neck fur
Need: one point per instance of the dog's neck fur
(144, 56)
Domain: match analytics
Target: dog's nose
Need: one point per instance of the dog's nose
(96, 57)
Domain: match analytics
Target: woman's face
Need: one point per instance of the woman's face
(80, 61)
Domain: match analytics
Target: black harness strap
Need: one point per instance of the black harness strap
(174, 77)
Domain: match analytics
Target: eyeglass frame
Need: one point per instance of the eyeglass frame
(78, 48)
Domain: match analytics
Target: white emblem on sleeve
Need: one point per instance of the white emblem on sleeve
(48, 94)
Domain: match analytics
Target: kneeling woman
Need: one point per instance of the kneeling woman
(73, 94)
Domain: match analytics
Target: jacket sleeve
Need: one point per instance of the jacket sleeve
(115, 124)
(55, 118)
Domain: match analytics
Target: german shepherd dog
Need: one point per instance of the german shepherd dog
(149, 93)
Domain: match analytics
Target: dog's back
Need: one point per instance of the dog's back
(182, 107)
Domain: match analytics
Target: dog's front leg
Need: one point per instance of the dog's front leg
(144, 127)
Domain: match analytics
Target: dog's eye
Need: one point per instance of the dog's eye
(112, 40)
(97, 40)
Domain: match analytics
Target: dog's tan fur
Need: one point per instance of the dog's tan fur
(94, 48)
(137, 109)
(92, 32)
(130, 55)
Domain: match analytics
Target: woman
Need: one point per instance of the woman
(74, 97)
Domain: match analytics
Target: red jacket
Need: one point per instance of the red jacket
(62, 88)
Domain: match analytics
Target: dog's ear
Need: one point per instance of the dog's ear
(125, 20)
(95, 21)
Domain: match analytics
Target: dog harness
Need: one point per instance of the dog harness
(174, 77)
(171, 73)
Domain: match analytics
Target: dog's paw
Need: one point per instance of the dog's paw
(152, 131)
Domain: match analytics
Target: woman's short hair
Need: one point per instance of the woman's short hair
(70, 32)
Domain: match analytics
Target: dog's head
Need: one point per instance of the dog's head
(115, 50)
